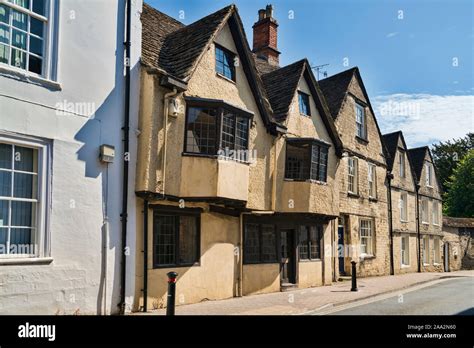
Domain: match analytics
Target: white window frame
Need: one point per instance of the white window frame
(42, 236)
(361, 122)
(47, 70)
(405, 251)
(352, 175)
(429, 174)
(425, 217)
(401, 164)
(403, 206)
(426, 250)
(372, 180)
(435, 213)
(366, 225)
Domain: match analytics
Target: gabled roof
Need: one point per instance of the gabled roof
(181, 46)
(458, 222)
(176, 50)
(335, 88)
(281, 85)
(417, 160)
(391, 145)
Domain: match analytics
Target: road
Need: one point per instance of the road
(449, 297)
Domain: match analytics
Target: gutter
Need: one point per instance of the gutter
(390, 220)
(126, 145)
(417, 188)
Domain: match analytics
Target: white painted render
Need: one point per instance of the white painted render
(84, 274)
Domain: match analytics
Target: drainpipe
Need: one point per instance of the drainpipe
(126, 143)
(417, 188)
(165, 135)
(390, 220)
(145, 254)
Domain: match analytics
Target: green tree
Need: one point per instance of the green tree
(459, 199)
(447, 155)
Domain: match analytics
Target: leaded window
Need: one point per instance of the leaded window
(306, 160)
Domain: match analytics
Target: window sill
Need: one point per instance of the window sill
(404, 221)
(373, 199)
(261, 263)
(405, 266)
(196, 264)
(426, 264)
(307, 180)
(24, 76)
(216, 157)
(310, 260)
(362, 140)
(436, 264)
(25, 261)
(225, 78)
(304, 115)
(425, 223)
(351, 194)
(364, 257)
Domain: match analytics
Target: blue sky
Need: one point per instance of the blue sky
(415, 56)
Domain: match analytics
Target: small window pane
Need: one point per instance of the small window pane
(5, 183)
(20, 241)
(4, 14)
(25, 186)
(25, 159)
(19, 20)
(228, 131)
(5, 156)
(252, 243)
(4, 220)
(4, 54)
(39, 7)
(201, 130)
(268, 243)
(187, 239)
(303, 243)
(4, 34)
(242, 135)
(22, 214)
(37, 27)
(3, 240)
(22, 3)
(323, 164)
(18, 59)
(164, 227)
(19, 39)
(36, 46)
(35, 64)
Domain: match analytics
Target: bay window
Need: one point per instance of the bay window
(306, 159)
(214, 128)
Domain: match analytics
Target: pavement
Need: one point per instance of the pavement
(316, 300)
(452, 296)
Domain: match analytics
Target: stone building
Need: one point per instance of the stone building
(402, 205)
(458, 234)
(362, 227)
(428, 209)
(237, 166)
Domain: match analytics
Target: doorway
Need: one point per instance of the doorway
(287, 256)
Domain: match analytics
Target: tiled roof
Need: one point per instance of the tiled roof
(391, 144)
(417, 158)
(281, 85)
(263, 67)
(335, 88)
(173, 47)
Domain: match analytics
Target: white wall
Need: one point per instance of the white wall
(89, 70)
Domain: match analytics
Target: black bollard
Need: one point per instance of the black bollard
(354, 277)
(171, 292)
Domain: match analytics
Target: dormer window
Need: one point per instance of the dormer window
(303, 101)
(225, 63)
(360, 121)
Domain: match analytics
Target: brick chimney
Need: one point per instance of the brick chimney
(265, 36)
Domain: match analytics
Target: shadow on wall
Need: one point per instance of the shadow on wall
(104, 127)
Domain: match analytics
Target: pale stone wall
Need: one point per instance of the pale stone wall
(355, 207)
(261, 278)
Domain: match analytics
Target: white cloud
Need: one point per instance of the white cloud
(389, 35)
(425, 118)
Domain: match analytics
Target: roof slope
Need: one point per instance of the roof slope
(391, 144)
(335, 88)
(169, 45)
(281, 85)
(417, 159)
(458, 222)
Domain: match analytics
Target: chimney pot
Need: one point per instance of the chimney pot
(269, 11)
(261, 14)
(265, 36)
